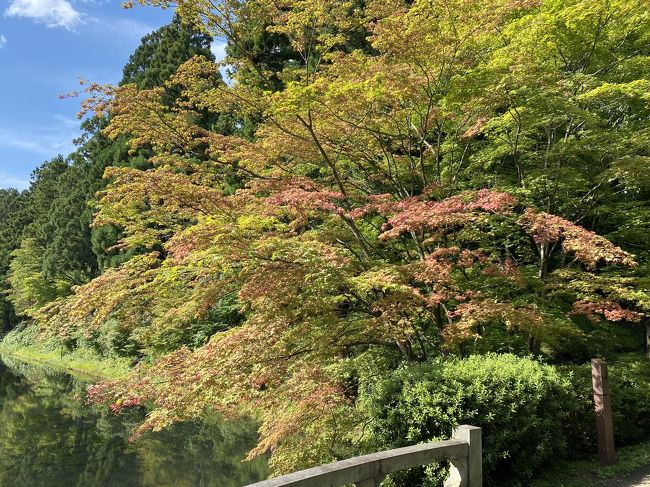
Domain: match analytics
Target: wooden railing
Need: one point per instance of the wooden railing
(464, 451)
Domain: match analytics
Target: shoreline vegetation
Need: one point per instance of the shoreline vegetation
(80, 362)
(583, 472)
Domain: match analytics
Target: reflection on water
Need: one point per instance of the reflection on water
(49, 439)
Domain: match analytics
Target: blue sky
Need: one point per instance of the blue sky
(45, 47)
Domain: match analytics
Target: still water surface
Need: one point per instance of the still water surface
(48, 438)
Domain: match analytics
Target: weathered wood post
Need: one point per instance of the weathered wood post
(646, 322)
(603, 403)
(467, 471)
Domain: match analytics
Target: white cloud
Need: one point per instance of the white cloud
(23, 147)
(53, 13)
(3, 41)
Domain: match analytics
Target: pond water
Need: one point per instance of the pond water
(48, 438)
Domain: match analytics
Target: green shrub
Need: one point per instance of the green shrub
(630, 381)
(519, 403)
(603, 339)
(629, 378)
(160, 339)
(27, 335)
(111, 340)
(530, 413)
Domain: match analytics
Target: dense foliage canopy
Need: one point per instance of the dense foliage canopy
(397, 181)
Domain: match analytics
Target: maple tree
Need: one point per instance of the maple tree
(349, 232)
(410, 190)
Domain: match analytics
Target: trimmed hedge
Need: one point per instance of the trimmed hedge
(530, 413)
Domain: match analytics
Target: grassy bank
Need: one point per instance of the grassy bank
(590, 473)
(26, 344)
(80, 361)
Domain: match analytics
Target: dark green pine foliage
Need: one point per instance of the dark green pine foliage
(35, 273)
(13, 219)
(60, 218)
(152, 64)
(96, 154)
(56, 213)
(269, 53)
(75, 252)
(162, 52)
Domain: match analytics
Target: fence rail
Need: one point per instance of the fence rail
(464, 451)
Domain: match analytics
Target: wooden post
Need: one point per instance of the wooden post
(647, 337)
(603, 403)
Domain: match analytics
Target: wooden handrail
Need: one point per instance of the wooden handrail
(463, 451)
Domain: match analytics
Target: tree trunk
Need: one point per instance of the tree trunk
(646, 329)
(406, 349)
(534, 345)
(544, 254)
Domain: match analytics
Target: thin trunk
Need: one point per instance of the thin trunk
(406, 349)
(646, 322)
(438, 145)
(534, 343)
(544, 254)
(437, 313)
(335, 173)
